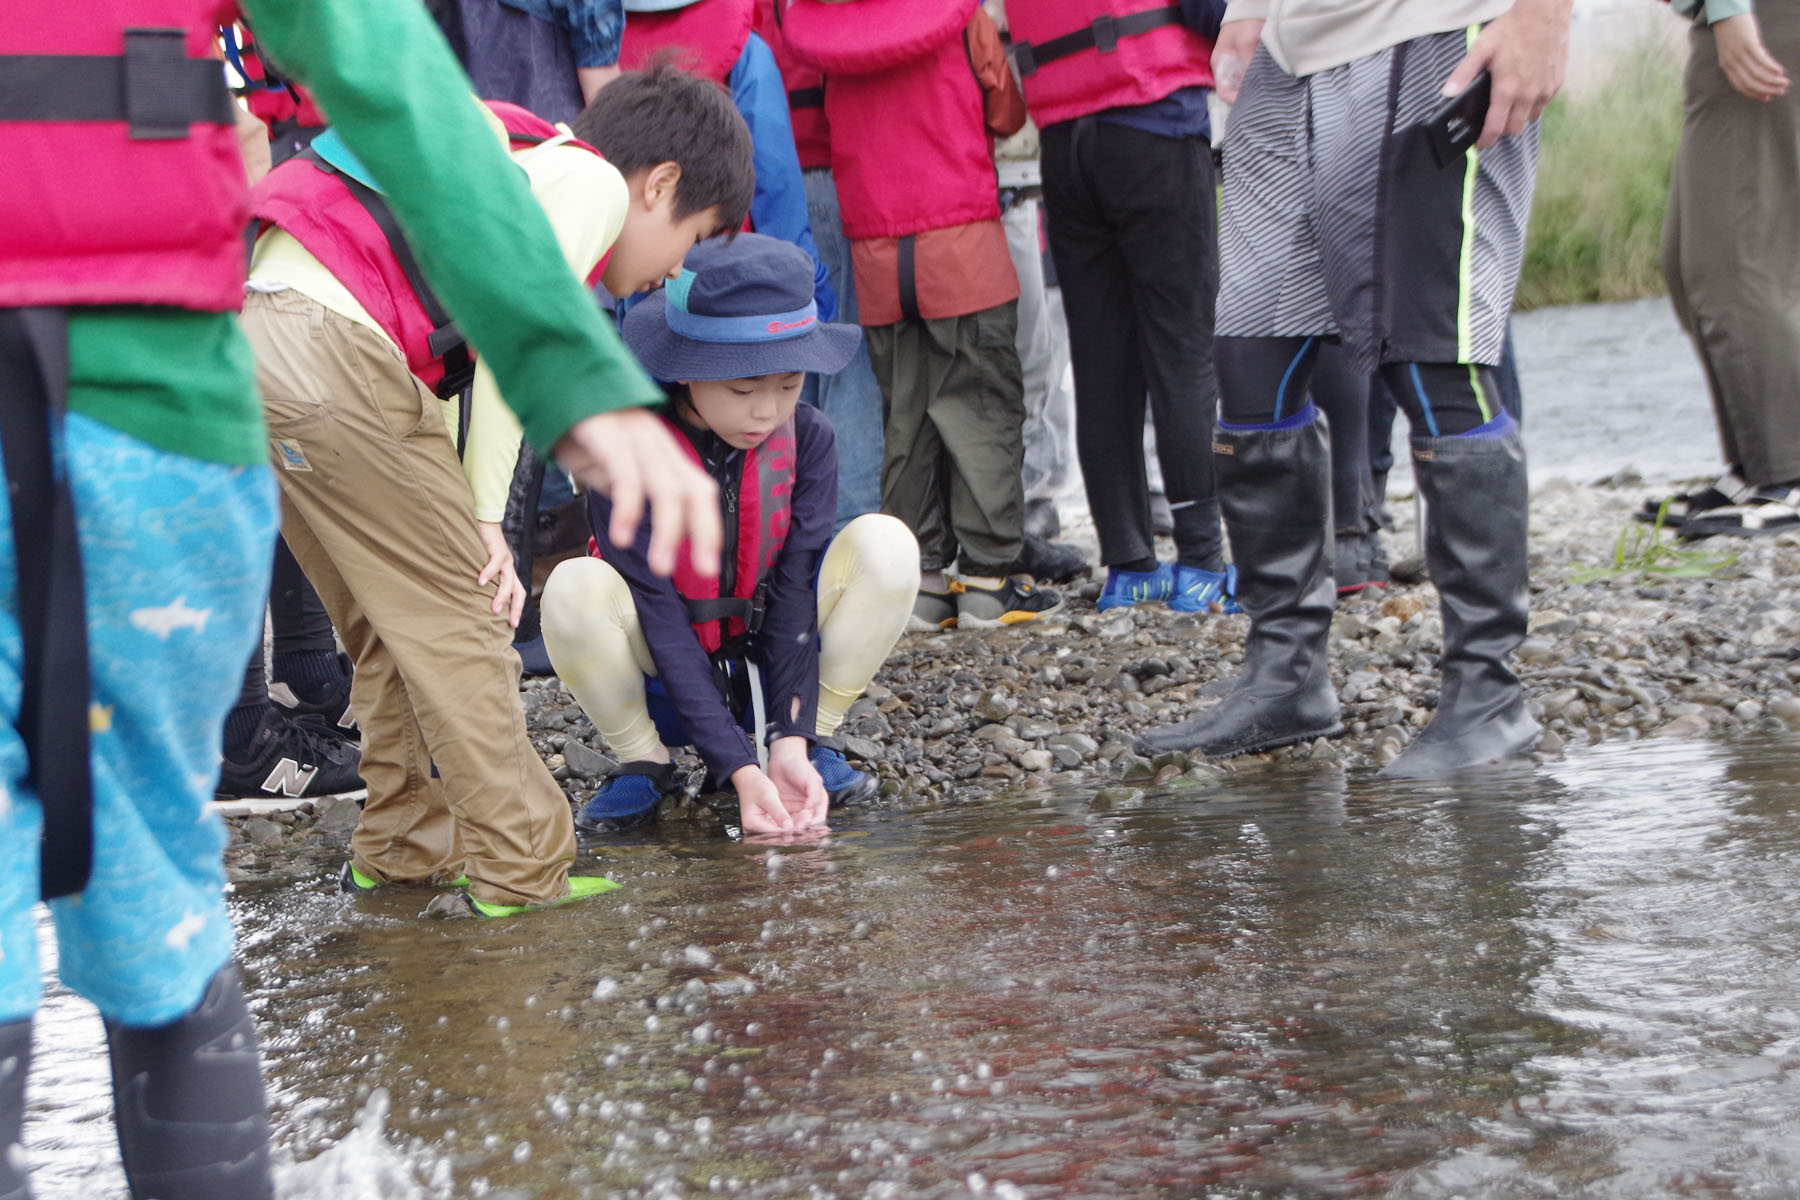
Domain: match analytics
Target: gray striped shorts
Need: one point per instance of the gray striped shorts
(1337, 220)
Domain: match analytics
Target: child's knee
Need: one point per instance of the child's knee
(884, 552)
(576, 590)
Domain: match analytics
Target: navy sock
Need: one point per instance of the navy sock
(314, 675)
(1499, 427)
(1305, 416)
(240, 726)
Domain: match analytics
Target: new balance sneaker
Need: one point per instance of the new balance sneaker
(844, 784)
(461, 904)
(628, 799)
(1204, 591)
(333, 709)
(1013, 601)
(934, 612)
(1125, 588)
(291, 756)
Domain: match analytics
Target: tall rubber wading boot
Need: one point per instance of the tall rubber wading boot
(1475, 502)
(1275, 491)
(188, 1098)
(15, 1065)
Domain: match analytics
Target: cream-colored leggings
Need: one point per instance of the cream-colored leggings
(867, 583)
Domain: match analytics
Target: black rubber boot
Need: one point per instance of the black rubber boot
(188, 1098)
(1275, 490)
(15, 1065)
(1475, 504)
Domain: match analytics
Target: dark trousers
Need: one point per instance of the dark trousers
(1134, 238)
(298, 618)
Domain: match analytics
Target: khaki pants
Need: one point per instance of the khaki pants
(377, 512)
(1731, 251)
(953, 406)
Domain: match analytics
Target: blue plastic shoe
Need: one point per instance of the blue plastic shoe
(1199, 591)
(1125, 588)
(628, 799)
(844, 784)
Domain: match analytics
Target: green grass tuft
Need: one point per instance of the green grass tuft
(1603, 185)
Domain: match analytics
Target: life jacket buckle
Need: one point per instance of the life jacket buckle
(1106, 33)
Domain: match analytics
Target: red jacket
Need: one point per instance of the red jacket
(1066, 80)
(324, 214)
(894, 178)
(90, 213)
(707, 37)
(805, 90)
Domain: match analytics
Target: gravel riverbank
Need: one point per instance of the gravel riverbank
(1055, 703)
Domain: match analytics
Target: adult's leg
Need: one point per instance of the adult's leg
(977, 405)
(1043, 351)
(15, 1066)
(1103, 342)
(851, 398)
(915, 472)
(387, 503)
(1342, 394)
(867, 581)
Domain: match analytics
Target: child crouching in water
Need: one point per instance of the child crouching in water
(797, 623)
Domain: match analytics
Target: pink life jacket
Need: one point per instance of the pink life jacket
(125, 184)
(757, 512)
(340, 223)
(1077, 57)
(932, 170)
(805, 90)
(707, 37)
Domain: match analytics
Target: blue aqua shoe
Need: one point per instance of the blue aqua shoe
(629, 798)
(1201, 591)
(1125, 588)
(844, 784)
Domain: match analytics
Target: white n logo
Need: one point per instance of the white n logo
(289, 778)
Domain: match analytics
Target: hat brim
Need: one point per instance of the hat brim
(825, 349)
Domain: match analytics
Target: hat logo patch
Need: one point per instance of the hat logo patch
(784, 326)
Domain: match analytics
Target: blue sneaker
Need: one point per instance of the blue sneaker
(844, 784)
(628, 799)
(1205, 591)
(1125, 588)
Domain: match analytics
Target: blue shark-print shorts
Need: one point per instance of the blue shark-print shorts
(176, 555)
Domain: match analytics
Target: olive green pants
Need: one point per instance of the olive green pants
(953, 407)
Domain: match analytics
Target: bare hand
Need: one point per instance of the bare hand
(631, 457)
(759, 805)
(1747, 63)
(1231, 56)
(1526, 50)
(797, 782)
(509, 595)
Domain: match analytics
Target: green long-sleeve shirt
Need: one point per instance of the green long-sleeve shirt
(181, 380)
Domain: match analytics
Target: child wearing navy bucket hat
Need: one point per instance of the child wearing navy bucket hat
(757, 667)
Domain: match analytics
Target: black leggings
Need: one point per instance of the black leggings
(299, 619)
(1265, 380)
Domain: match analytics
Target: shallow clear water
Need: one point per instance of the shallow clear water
(1583, 978)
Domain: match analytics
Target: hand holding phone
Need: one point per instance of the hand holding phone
(1453, 127)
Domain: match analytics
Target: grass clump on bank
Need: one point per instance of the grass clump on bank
(1603, 185)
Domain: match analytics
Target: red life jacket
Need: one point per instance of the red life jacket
(933, 170)
(805, 90)
(757, 511)
(119, 191)
(708, 37)
(340, 223)
(1077, 57)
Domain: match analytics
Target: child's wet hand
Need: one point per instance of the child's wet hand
(509, 593)
(797, 782)
(759, 804)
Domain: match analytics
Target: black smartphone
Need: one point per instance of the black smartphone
(1453, 128)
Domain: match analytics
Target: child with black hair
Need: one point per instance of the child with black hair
(797, 623)
(414, 571)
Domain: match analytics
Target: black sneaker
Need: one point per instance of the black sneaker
(1012, 602)
(1054, 561)
(291, 756)
(334, 710)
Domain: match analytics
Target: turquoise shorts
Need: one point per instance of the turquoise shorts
(176, 555)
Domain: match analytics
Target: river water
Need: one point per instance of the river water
(1580, 978)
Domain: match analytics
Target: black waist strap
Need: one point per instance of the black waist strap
(445, 341)
(154, 86)
(53, 706)
(1102, 34)
(909, 279)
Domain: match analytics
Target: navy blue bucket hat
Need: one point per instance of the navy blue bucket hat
(741, 307)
